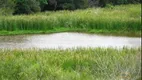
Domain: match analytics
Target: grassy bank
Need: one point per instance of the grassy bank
(119, 20)
(71, 64)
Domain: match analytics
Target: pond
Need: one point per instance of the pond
(67, 40)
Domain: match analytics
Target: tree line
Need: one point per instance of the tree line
(31, 6)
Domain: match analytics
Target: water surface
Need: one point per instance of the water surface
(67, 40)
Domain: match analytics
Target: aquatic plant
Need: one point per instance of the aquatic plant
(121, 19)
(70, 64)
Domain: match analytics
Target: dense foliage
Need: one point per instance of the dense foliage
(7, 7)
(124, 19)
(71, 64)
(27, 6)
(31, 6)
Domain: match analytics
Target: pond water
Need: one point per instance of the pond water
(67, 40)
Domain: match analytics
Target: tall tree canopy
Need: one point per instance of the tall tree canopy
(32, 6)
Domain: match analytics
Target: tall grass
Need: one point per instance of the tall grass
(71, 64)
(124, 18)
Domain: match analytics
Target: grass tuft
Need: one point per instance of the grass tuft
(71, 64)
(121, 19)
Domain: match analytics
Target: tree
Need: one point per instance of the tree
(27, 6)
(81, 4)
(7, 7)
(43, 3)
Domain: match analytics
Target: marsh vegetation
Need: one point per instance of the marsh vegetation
(104, 17)
(71, 64)
(120, 20)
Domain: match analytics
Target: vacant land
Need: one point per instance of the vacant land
(117, 20)
(71, 64)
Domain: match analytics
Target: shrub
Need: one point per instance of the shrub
(102, 3)
(118, 2)
(69, 6)
(27, 6)
(7, 7)
(81, 4)
(43, 3)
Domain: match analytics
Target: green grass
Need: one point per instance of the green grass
(71, 64)
(120, 20)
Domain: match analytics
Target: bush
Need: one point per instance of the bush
(117, 2)
(69, 6)
(27, 6)
(65, 4)
(103, 3)
(72, 4)
(81, 4)
(7, 7)
(43, 3)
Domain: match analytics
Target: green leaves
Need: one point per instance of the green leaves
(27, 6)
(7, 7)
(43, 1)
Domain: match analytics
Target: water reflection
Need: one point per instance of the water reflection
(67, 40)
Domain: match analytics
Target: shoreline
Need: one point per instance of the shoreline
(99, 32)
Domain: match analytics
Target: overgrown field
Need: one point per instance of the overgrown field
(71, 64)
(121, 20)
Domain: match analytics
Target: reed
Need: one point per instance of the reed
(71, 64)
(124, 18)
